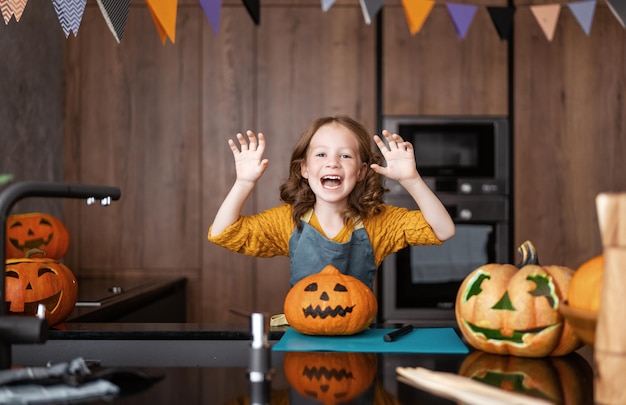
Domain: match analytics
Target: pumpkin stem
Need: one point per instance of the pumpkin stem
(529, 254)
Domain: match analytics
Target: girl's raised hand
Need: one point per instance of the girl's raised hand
(399, 156)
(249, 162)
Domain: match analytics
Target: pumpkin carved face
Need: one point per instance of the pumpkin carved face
(30, 282)
(561, 380)
(330, 303)
(328, 377)
(36, 234)
(505, 310)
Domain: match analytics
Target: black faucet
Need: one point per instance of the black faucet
(16, 329)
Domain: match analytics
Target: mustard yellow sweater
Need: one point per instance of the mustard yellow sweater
(267, 234)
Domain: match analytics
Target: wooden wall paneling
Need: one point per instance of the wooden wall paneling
(227, 107)
(310, 64)
(139, 129)
(569, 120)
(31, 84)
(435, 73)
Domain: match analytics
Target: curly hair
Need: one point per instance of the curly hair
(367, 197)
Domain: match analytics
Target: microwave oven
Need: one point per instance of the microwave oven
(466, 155)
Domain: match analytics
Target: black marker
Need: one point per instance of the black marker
(391, 336)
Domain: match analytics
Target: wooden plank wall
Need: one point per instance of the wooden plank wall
(154, 120)
(569, 131)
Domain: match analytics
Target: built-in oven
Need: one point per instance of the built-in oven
(466, 162)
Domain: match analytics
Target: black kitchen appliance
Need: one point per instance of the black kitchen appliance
(466, 162)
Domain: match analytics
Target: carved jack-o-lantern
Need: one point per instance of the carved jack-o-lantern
(328, 377)
(561, 380)
(330, 303)
(503, 309)
(30, 282)
(36, 234)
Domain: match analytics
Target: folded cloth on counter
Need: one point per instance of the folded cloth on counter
(70, 382)
(419, 340)
(57, 393)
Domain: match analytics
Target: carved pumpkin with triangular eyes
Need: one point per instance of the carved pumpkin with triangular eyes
(30, 282)
(36, 234)
(504, 309)
(330, 303)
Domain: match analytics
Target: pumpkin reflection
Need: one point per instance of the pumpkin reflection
(562, 380)
(30, 282)
(330, 378)
(36, 234)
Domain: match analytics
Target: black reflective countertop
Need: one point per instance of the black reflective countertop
(208, 364)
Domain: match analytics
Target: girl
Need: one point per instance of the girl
(334, 211)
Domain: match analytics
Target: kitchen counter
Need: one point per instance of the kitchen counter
(207, 364)
(130, 299)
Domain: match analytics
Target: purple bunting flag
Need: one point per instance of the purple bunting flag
(583, 11)
(70, 14)
(115, 13)
(212, 10)
(462, 16)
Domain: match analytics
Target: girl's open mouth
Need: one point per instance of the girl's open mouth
(331, 182)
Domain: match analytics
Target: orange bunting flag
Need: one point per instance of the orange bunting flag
(11, 8)
(417, 11)
(164, 15)
(547, 16)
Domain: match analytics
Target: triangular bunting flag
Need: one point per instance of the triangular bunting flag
(462, 16)
(547, 16)
(17, 7)
(618, 8)
(212, 10)
(583, 11)
(416, 12)
(115, 13)
(254, 9)
(502, 18)
(327, 4)
(70, 14)
(164, 15)
(370, 8)
(7, 11)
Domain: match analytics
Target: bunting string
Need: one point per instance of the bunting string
(163, 12)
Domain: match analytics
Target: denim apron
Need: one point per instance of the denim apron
(310, 252)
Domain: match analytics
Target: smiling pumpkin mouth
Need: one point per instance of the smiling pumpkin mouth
(331, 182)
(30, 308)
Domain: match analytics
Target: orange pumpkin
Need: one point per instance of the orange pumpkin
(330, 303)
(586, 285)
(561, 380)
(329, 377)
(36, 234)
(30, 282)
(504, 309)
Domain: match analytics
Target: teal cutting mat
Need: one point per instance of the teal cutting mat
(419, 340)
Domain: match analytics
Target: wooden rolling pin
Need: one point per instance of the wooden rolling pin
(610, 342)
